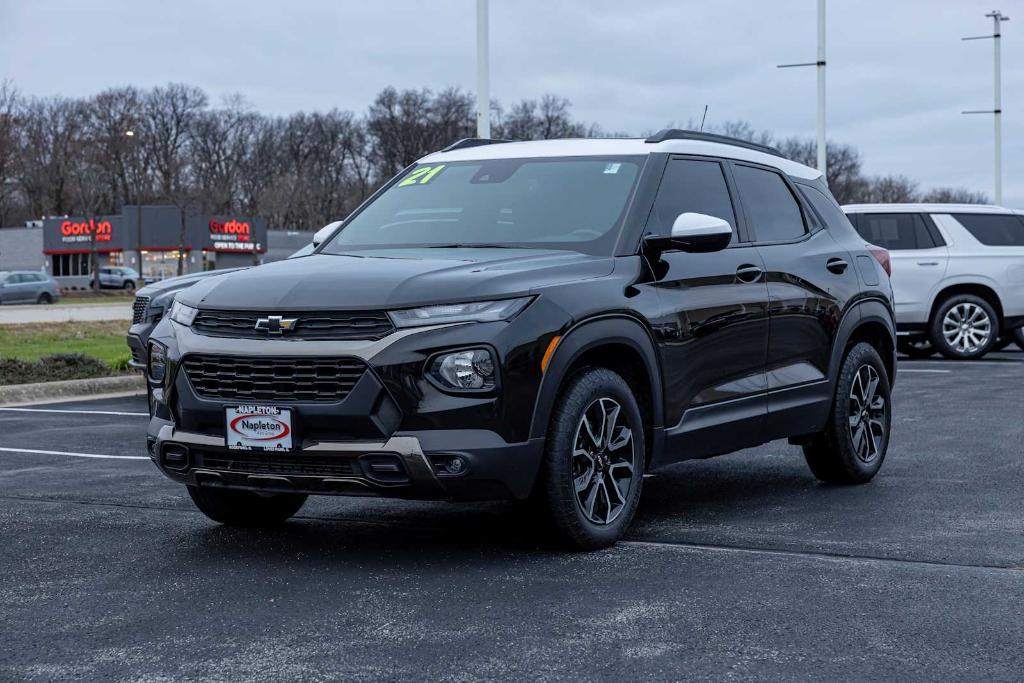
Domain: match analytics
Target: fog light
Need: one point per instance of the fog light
(157, 362)
(455, 466)
(471, 370)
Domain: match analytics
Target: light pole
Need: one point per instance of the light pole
(820, 64)
(997, 109)
(130, 134)
(483, 87)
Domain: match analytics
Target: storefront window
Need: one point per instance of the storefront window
(70, 265)
(159, 265)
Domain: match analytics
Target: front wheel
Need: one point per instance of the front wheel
(853, 446)
(593, 465)
(128, 285)
(245, 508)
(965, 327)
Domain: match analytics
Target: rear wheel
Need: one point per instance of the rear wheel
(44, 298)
(852, 448)
(593, 465)
(245, 508)
(965, 327)
(1018, 337)
(916, 348)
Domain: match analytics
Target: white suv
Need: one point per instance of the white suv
(957, 273)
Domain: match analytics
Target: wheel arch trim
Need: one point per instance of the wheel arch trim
(584, 336)
(860, 314)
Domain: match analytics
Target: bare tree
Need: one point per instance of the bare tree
(9, 149)
(954, 195)
(890, 189)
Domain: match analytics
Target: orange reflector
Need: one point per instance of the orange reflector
(548, 353)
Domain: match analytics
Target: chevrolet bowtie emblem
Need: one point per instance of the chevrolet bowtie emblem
(275, 324)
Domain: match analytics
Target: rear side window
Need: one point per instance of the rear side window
(826, 209)
(771, 207)
(895, 231)
(691, 186)
(995, 230)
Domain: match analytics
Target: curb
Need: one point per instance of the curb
(71, 389)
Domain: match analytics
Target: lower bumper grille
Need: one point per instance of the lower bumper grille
(272, 463)
(232, 378)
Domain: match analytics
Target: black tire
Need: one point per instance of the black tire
(589, 396)
(245, 508)
(1018, 337)
(836, 456)
(916, 348)
(968, 306)
(129, 285)
(44, 298)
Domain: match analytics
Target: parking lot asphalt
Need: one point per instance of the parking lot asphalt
(736, 567)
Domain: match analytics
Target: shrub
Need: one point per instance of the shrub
(52, 368)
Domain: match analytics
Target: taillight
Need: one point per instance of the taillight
(882, 256)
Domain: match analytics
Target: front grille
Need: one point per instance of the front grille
(243, 379)
(252, 462)
(139, 309)
(333, 325)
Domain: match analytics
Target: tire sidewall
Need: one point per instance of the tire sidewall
(939, 341)
(582, 390)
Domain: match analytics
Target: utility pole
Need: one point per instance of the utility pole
(997, 109)
(820, 65)
(130, 134)
(483, 87)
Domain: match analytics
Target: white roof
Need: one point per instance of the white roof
(619, 146)
(924, 208)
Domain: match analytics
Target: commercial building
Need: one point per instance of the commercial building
(66, 246)
(163, 234)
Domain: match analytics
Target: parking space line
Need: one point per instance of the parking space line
(75, 455)
(75, 412)
(941, 372)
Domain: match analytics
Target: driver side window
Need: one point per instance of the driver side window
(691, 185)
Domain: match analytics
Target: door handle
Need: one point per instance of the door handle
(837, 265)
(749, 273)
(927, 263)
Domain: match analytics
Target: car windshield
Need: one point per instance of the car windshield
(541, 203)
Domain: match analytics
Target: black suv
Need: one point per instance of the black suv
(545, 320)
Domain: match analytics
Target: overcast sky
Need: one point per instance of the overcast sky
(898, 73)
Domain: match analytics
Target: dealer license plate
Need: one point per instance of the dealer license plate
(261, 428)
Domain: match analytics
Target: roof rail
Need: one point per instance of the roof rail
(466, 143)
(680, 134)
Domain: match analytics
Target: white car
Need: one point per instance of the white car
(957, 273)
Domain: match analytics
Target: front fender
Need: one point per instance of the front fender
(589, 334)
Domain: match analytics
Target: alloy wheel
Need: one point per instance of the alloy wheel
(603, 461)
(867, 414)
(966, 327)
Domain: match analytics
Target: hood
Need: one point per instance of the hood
(393, 278)
(173, 284)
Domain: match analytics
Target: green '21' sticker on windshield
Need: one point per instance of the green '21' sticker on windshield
(422, 175)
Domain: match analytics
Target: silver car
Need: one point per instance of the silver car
(118, 277)
(27, 287)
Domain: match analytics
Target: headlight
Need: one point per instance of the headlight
(476, 311)
(180, 313)
(157, 361)
(472, 369)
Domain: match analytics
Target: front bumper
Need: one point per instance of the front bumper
(413, 466)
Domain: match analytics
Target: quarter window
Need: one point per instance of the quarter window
(995, 230)
(827, 209)
(691, 186)
(771, 207)
(895, 231)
